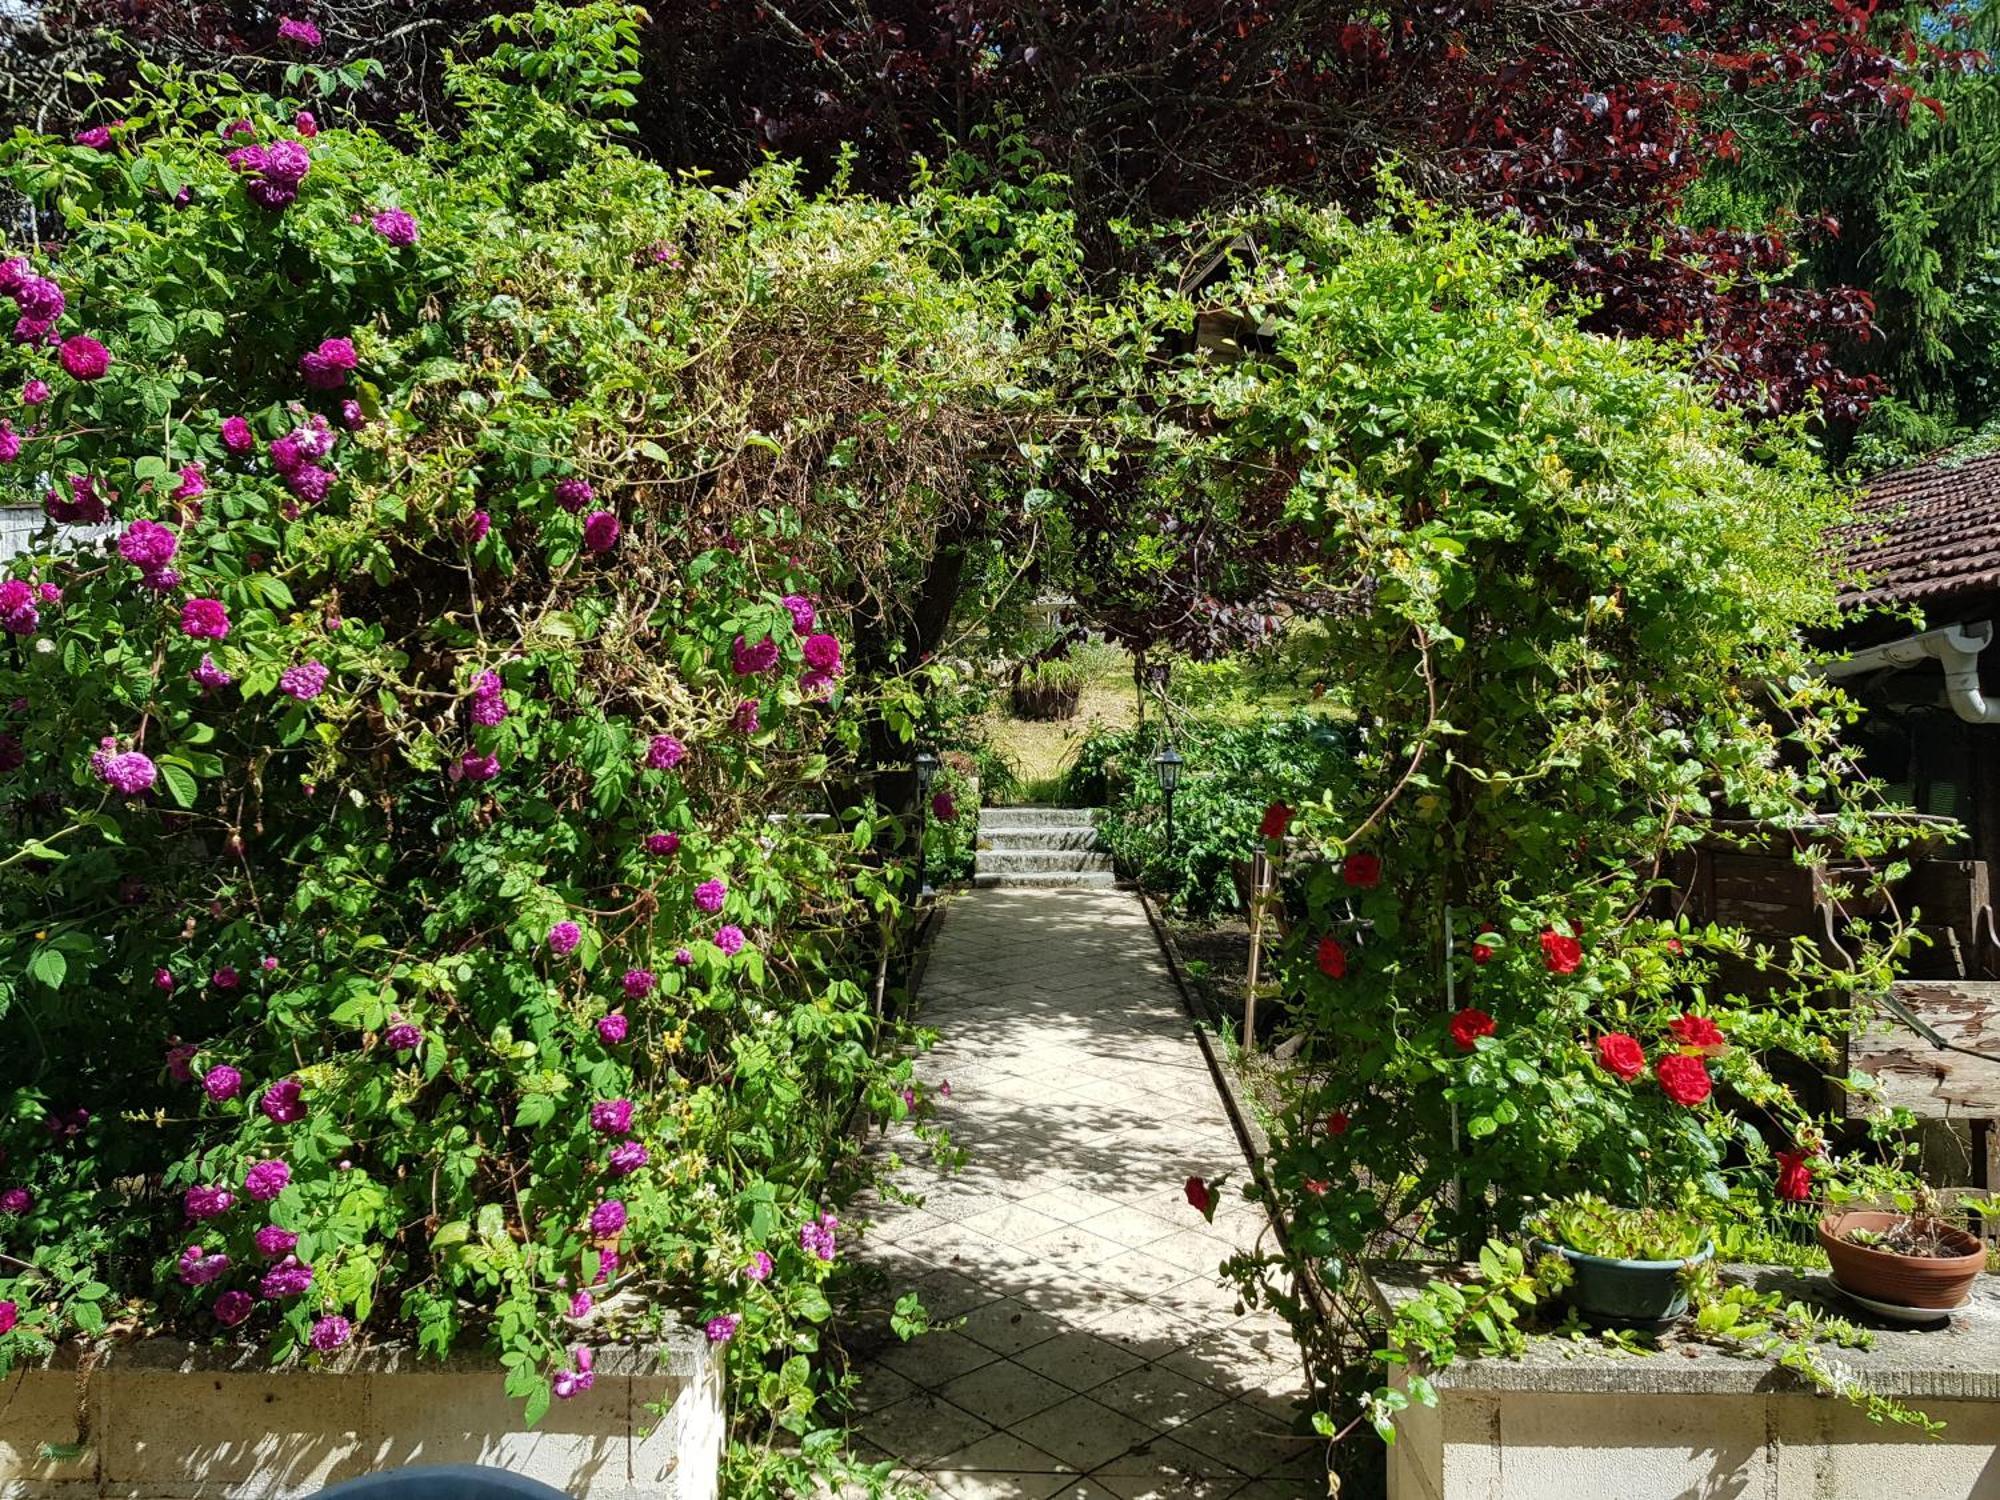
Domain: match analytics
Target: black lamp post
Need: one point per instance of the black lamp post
(927, 769)
(1167, 766)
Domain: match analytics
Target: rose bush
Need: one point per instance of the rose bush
(407, 932)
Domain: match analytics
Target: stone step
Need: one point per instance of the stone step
(1038, 861)
(1037, 817)
(1068, 879)
(1038, 838)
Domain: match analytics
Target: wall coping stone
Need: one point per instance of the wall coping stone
(1959, 1361)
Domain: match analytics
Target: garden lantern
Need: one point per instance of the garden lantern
(1167, 765)
(927, 769)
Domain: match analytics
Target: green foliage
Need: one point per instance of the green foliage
(357, 891)
(1587, 1224)
(1234, 771)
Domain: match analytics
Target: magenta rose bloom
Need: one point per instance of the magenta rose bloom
(611, 1116)
(574, 494)
(563, 938)
(626, 1158)
(607, 1218)
(284, 1101)
(306, 123)
(205, 619)
(403, 1036)
(710, 895)
(222, 1083)
(638, 983)
(208, 676)
(193, 485)
(823, 653)
(305, 36)
(35, 393)
(802, 612)
(744, 720)
(473, 766)
(612, 1029)
(747, 660)
(147, 544)
(304, 682)
(663, 843)
(16, 1201)
(198, 1268)
(397, 227)
(601, 531)
(325, 368)
(722, 1329)
(664, 752)
(18, 615)
(84, 357)
(275, 1242)
(267, 1179)
(208, 1202)
(729, 939)
(237, 436)
(286, 1279)
(330, 1333)
(232, 1307)
(10, 443)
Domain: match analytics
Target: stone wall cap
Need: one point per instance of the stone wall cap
(1958, 1361)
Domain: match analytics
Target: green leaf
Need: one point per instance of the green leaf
(180, 782)
(49, 966)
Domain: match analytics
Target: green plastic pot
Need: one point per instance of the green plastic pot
(1626, 1293)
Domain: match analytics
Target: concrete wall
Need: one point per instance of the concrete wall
(1540, 1445)
(162, 1420)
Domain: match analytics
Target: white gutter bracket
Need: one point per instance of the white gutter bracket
(1956, 648)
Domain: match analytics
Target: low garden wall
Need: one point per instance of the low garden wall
(1573, 1419)
(158, 1419)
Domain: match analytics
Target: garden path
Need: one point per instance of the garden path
(1099, 1354)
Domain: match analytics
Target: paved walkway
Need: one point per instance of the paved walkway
(1100, 1355)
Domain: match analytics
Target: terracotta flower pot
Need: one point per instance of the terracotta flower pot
(1936, 1283)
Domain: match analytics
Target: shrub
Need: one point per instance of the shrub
(397, 932)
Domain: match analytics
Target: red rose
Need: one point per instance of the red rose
(1683, 1079)
(1469, 1025)
(1332, 957)
(1696, 1031)
(1202, 1196)
(1674, 947)
(1277, 818)
(1482, 951)
(1316, 1187)
(1337, 1122)
(1561, 954)
(1362, 871)
(1621, 1054)
(1794, 1177)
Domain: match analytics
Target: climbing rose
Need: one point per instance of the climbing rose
(194, 483)
(84, 357)
(237, 436)
(729, 939)
(205, 619)
(147, 544)
(744, 720)
(304, 682)
(1696, 1031)
(1562, 954)
(626, 1158)
(130, 773)
(600, 531)
(1795, 1177)
(563, 938)
(16, 1201)
(306, 123)
(199, 1268)
(18, 615)
(475, 767)
(301, 34)
(1201, 1197)
(288, 1278)
(284, 1101)
(710, 895)
(397, 227)
(232, 1307)
(1277, 818)
(611, 1116)
(10, 1314)
(403, 1036)
(1337, 1122)
(208, 1202)
(662, 843)
(664, 752)
(330, 1333)
(638, 983)
(488, 706)
(611, 1029)
(222, 1083)
(1683, 1079)
(683, 957)
(607, 1218)
(325, 368)
(574, 494)
(309, 483)
(581, 1304)
(225, 978)
(1331, 957)
(759, 1268)
(34, 393)
(274, 1242)
(1362, 871)
(944, 807)
(97, 137)
(822, 653)
(180, 1056)
(1482, 952)
(722, 1329)
(351, 415)
(1469, 1025)
(10, 443)
(1621, 1054)
(801, 610)
(478, 524)
(817, 1239)
(267, 1179)
(747, 660)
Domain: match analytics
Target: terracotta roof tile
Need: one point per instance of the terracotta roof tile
(1929, 532)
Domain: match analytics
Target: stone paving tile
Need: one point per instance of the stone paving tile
(1099, 1357)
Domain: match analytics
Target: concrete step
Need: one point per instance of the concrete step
(1038, 838)
(1038, 861)
(1095, 879)
(1037, 817)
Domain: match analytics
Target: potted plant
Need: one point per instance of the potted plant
(1625, 1263)
(1051, 688)
(1902, 1258)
